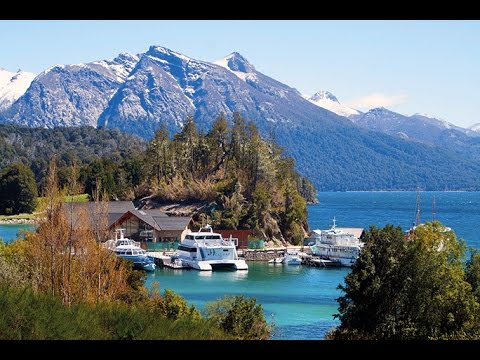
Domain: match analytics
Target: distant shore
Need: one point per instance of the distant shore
(17, 221)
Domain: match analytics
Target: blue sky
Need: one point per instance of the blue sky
(407, 66)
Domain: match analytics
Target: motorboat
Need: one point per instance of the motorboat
(206, 250)
(277, 260)
(120, 240)
(130, 250)
(290, 258)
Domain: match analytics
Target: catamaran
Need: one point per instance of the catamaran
(205, 250)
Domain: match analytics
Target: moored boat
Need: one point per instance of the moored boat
(130, 250)
(336, 245)
(205, 250)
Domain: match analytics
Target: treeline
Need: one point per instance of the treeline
(95, 153)
(61, 283)
(411, 289)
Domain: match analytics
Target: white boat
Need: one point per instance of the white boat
(277, 260)
(290, 258)
(336, 245)
(120, 240)
(130, 250)
(204, 250)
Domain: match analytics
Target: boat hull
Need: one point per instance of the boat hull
(209, 265)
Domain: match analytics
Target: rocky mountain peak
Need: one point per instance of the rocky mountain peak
(324, 95)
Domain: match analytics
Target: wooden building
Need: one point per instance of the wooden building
(153, 225)
(139, 225)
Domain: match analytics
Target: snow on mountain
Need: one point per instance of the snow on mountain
(435, 120)
(238, 65)
(13, 85)
(475, 127)
(71, 95)
(168, 86)
(327, 100)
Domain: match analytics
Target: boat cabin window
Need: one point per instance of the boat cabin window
(186, 248)
(201, 237)
(189, 237)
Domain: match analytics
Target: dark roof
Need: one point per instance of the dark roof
(154, 213)
(142, 215)
(172, 222)
(120, 207)
(112, 218)
(115, 210)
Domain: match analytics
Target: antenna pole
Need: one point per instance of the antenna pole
(417, 218)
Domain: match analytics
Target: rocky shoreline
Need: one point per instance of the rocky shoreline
(17, 221)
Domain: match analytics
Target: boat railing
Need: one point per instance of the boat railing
(112, 244)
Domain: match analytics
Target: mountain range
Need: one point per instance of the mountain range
(337, 147)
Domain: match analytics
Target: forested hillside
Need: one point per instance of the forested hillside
(93, 151)
(247, 181)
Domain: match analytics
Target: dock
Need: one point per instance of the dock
(164, 259)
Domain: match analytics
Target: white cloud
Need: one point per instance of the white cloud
(376, 100)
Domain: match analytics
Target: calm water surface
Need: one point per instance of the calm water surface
(12, 231)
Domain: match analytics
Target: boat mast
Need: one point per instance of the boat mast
(417, 217)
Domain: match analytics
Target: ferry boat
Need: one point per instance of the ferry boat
(205, 250)
(130, 250)
(336, 245)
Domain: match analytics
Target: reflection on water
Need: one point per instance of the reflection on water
(203, 273)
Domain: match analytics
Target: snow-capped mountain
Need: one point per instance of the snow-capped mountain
(418, 127)
(71, 95)
(13, 85)
(136, 93)
(327, 100)
(424, 129)
(168, 86)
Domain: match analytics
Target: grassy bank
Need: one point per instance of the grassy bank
(41, 205)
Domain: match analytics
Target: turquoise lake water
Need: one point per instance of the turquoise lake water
(301, 300)
(11, 232)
